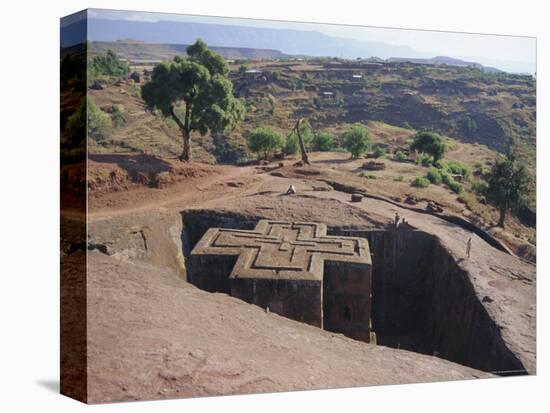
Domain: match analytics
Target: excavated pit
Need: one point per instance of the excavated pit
(422, 300)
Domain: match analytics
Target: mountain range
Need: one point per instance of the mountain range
(285, 41)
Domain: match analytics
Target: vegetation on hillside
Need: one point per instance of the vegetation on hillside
(107, 64)
(457, 105)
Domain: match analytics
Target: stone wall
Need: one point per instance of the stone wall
(299, 300)
(424, 302)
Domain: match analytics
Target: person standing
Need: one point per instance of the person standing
(469, 247)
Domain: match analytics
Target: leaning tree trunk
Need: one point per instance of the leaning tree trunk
(502, 218)
(305, 158)
(185, 133)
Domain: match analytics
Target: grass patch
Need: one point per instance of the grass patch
(367, 176)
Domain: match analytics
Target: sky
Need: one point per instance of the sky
(510, 53)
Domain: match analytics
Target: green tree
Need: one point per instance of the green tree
(201, 85)
(509, 184)
(356, 140)
(242, 69)
(265, 141)
(430, 143)
(323, 141)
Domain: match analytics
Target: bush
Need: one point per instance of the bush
(399, 178)
(108, 64)
(400, 157)
(481, 188)
(424, 159)
(366, 175)
(457, 168)
(117, 116)
(99, 123)
(323, 141)
(378, 151)
(265, 141)
(454, 186)
(356, 140)
(469, 124)
(292, 146)
(434, 176)
(420, 182)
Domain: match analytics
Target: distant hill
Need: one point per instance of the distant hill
(294, 42)
(139, 51)
(450, 61)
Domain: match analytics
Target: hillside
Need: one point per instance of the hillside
(480, 114)
(496, 110)
(135, 51)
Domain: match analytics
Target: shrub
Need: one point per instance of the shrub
(265, 141)
(109, 64)
(99, 123)
(424, 159)
(434, 176)
(481, 187)
(469, 124)
(457, 168)
(117, 116)
(399, 178)
(356, 140)
(378, 151)
(455, 186)
(323, 141)
(420, 182)
(366, 175)
(400, 157)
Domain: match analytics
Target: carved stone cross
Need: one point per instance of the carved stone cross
(295, 269)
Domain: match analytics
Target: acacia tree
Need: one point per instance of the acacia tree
(509, 183)
(430, 143)
(199, 84)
